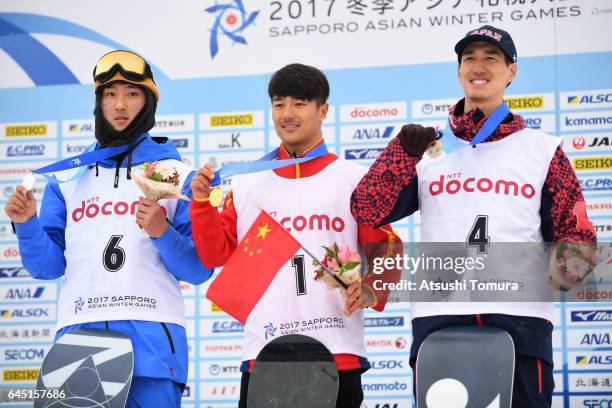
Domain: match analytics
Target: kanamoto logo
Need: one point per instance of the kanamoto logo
(26, 130)
(526, 102)
(92, 208)
(318, 222)
(231, 120)
(484, 185)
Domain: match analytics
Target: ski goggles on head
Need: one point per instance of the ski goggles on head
(125, 66)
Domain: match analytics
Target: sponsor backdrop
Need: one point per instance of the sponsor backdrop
(389, 62)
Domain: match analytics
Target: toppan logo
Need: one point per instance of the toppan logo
(315, 222)
(592, 316)
(231, 19)
(483, 185)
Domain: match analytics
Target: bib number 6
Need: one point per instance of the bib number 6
(113, 257)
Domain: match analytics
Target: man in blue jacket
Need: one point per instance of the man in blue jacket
(122, 255)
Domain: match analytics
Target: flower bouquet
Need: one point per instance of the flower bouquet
(342, 262)
(570, 264)
(158, 181)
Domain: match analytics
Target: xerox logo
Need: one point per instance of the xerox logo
(591, 316)
(314, 222)
(92, 208)
(25, 150)
(362, 154)
(483, 185)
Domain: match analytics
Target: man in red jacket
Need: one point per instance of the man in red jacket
(312, 201)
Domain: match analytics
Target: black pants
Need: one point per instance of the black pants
(350, 394)
(532, 336)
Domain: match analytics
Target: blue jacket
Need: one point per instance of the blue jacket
(160, 349)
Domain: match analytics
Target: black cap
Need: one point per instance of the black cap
(492, 35)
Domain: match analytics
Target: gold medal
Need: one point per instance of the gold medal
(435, 149)
(215, 197)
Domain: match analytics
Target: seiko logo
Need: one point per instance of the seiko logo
(483, 185)
(318, 222)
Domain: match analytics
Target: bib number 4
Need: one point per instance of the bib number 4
(478, 236)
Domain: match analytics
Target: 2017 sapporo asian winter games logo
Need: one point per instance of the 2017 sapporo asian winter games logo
(231, 19)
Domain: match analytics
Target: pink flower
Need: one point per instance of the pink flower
(332, 264)
(561, 263)
(566, 253)
(346, 255)
(571, 277)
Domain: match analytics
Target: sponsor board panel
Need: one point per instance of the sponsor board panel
(588, 142)
(431, 108)
(230, 348)
(222, 390)
(189, 307)
(28, 292)
(589, 338)
(220, 369)
(23, 354)
(28, 313)
(31, 333)
(387, 387)
(16, 131)
(21, 375)
(220, 327)
(9, 252)
(165, 124)
(578, 121)
(591, 382)
(530, 103)
(373, 111)
(597, 207)
(369, 133)
(227, 120)
(78, 128)
(232, 141)
(594, 99)
(22, 150)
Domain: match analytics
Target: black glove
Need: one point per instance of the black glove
(415, 139)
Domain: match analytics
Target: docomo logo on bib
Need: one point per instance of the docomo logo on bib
(318, 222)
(483, 185)
(92, 208)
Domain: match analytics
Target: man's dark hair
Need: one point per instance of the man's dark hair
(301, 82)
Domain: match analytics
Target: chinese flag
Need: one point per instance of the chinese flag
(265, 248)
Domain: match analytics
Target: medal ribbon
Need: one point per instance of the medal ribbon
(265, 162)
(450, 142)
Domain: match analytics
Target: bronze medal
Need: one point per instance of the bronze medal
(435, 149)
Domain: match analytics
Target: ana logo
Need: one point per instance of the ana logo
(596, 339)
(375, 133)
(579, 143)
(270, 330)
(25, 293)
(231, 19)
(427, 108)
(362, 154)
(78, 305)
